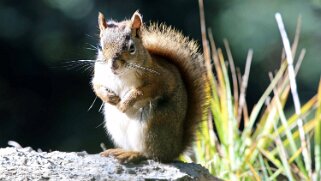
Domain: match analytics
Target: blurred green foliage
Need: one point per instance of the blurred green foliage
(251, 24)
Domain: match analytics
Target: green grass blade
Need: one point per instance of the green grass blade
(264, 168)
(276, 174)
(256, 110)
(308, 127)
(317, 137)
(304, 110)
(289, 136)
(267, 128)
(283, 156)
(230, 116)
(234, 76)
(216, 112)
(254, 172)
(268, 168)
(295, 96)
(271, 158)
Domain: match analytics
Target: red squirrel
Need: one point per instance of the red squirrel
(152, 82)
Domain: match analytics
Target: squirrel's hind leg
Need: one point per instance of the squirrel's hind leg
(124, 156)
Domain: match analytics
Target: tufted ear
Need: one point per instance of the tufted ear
(136, 23)
(102, 21)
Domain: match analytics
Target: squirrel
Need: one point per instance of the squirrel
(152, 82)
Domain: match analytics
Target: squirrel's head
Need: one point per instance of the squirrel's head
(121, 44)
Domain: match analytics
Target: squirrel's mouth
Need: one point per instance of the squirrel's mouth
(117, 66)
(117, 71)
(114, 71)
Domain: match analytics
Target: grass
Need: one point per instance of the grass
(236, 143)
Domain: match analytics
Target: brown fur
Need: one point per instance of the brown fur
(174, 47)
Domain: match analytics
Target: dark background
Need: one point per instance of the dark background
(44, 97)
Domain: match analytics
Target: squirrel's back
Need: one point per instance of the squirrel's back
(170, 44)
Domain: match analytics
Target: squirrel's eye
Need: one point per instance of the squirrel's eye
(132, 48)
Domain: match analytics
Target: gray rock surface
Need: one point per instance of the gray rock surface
(28, 164)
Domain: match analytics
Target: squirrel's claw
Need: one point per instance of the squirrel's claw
(124, 156)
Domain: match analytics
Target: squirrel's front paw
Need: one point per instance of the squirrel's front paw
(129, 100)
(123, 107)
(112, 98)
(106, 95)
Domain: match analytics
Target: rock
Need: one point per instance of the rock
(27, 164)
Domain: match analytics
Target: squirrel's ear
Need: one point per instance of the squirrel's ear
(102, 21)
(136, 23)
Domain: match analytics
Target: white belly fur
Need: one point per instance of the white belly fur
(126, 132)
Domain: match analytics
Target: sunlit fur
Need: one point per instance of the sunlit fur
(184, 53)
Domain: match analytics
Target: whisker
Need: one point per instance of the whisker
(93, 61)
(92, 104)
(90, 36)
(132, 65)
(101, 107)
(77, 65)
(92, 46)
(100, 124)
(93, 49)
(88, 68)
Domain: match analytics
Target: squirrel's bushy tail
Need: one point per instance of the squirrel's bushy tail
(184, 53)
